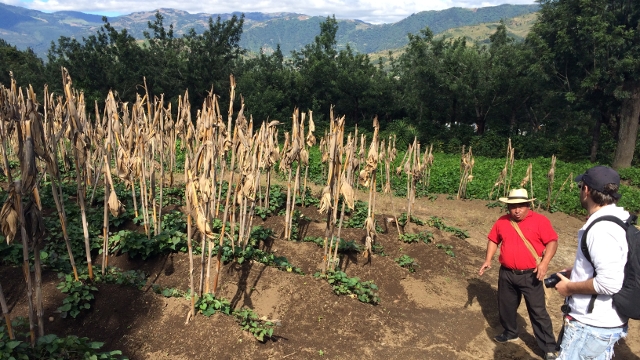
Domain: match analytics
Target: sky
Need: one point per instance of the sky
(372, 11)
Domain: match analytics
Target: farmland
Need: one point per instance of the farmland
(171, 237)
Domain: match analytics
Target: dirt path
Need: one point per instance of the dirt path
(442, 311)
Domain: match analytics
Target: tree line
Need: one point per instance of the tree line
(569, 89)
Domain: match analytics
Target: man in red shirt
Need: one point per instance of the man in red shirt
(521, 273)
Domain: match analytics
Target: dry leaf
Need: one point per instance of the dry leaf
(115, 206)
(325, 200)
(347, 192)
(9, 221)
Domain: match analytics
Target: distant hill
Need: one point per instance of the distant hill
(517, 28)
(262, 31)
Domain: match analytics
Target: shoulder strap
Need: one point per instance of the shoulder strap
(526, 241)
(585, 248)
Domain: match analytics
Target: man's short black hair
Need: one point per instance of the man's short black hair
(605, 197)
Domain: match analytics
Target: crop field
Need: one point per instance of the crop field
(138, 231)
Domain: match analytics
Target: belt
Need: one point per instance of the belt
(517, 272)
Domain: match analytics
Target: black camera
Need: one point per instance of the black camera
(552, 280)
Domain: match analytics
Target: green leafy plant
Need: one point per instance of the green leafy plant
(424, 236)
(437, 223)
(494, 204)
(250, 322)
(80, 293)
(252, 252)
(169, 292)
(357, 216)
(406, 262)
(378, 250)
(344, 246)
(79, 296)
(50, 346)
(402, 220)
(247, 318)
(172, 195)
(209, 305)
(277, 202)
(309, 199)
(448, 249)
(295, 224)
(364, 291)
(10, 254)
(114, 275)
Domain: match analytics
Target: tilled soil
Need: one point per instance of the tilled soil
(443, 310)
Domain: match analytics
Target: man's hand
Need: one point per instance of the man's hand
(485, 266)
(541, 271)
(568, 271)
(563, 286)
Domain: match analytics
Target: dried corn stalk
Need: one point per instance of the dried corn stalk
(528, 179)
(466, 172)
(551, 176)
(368, 179)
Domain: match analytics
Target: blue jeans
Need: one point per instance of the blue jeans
(584, 342)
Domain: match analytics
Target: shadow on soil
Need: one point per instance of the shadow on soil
(485, 295)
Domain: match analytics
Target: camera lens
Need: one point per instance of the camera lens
(551, 281)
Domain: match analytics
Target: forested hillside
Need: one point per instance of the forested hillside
(262, 31)
(567, 89)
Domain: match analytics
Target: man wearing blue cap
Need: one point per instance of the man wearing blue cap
(592, 325)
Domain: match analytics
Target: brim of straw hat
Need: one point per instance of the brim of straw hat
(507, 200)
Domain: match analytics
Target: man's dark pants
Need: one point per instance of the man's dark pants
(511, 288)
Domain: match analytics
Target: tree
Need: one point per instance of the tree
(267, 85)
(212, 57)
(317, 68)
(592, 51)
(26, 67)
(165, 63)
(108, 60)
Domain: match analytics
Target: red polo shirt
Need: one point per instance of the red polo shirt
(514, 254)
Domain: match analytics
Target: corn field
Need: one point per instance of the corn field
(54, 136)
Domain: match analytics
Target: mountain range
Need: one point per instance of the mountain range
(25, 28)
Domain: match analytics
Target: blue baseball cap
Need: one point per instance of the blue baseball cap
(598, 177)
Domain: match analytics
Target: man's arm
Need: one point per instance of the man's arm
(491, 250)
(549, 251)
(606, 246)
(567, 288)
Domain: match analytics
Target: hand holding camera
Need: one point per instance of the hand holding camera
(554, 279)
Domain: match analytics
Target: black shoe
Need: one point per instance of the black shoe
(503, 338)
(550, 356)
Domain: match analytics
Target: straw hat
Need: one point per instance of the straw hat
(516, 196)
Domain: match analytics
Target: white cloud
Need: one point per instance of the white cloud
(374, 11)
